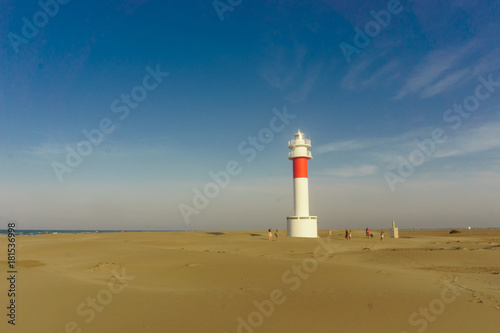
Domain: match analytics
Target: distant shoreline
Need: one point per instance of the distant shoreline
(21, 232)
(58, 231)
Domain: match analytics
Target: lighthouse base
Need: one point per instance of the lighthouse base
(302, 226)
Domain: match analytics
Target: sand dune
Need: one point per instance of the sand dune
(238, 281)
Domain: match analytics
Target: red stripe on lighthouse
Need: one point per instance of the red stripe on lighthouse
(300, 167)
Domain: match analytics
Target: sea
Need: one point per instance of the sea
(47, 231)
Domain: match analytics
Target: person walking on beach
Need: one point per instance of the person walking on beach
(270, 234)
(277, 234)
(367, 232)
(381, 235)
(346, 234)
(350, 235)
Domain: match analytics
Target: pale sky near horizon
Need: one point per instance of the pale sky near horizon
(114, 114)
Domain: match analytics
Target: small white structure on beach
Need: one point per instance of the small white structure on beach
(301, 224)
(394, 231)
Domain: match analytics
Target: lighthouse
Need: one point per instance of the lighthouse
(301, 224)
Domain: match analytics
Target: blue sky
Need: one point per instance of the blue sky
(400, 99)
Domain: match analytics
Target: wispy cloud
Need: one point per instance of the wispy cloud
(348, 172)
(367, 73)
(488, 63)
(355, 75)
(480, 139)
(341, 146)
(429, 70)
(301, 93)
(449, 153)
(387, 71)
(472, 141)
(46, 150)
(438, 71)
(444, 84)
(290, 67)
(283, 64)
(366, 156)
(131, 5)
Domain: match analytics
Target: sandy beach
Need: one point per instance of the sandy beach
(238, 281)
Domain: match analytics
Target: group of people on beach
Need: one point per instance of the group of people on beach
(348, 234)
(270, 234)
(370, 235)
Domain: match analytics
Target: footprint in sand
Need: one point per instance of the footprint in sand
(105, 266)
(476, 300)
(192, 265)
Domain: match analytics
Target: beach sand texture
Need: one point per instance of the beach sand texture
(238, 281)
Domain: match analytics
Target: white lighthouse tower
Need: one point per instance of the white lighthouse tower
(301, 224)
